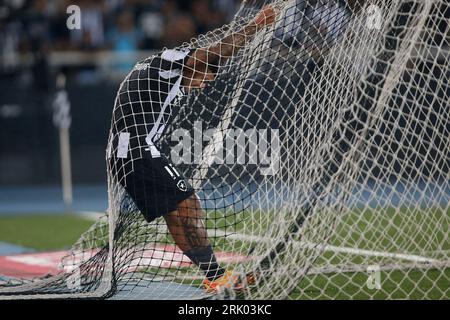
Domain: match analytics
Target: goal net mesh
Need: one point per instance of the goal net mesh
(336, 184)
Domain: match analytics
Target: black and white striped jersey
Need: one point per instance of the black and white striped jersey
(144, 105)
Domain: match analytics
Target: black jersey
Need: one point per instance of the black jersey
(144, 104)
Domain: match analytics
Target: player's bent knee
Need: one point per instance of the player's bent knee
(189, 206)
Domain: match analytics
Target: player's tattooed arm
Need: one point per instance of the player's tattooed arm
(228, 46)
(231, 44)
(201, 65)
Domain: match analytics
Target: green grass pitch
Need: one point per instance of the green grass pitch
(46, 232)
(56, 232)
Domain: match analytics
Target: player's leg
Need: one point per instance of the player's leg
(187, 227)
(158, 190)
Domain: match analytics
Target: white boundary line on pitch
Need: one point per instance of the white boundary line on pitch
(309, 245)
(345, 269)
(356, 251)
(90, 215)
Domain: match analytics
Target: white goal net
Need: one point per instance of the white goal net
(322, 166)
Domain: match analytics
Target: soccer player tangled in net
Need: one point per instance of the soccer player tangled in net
(141, 114)
(142, 111)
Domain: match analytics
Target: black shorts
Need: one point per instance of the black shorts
(155, 186)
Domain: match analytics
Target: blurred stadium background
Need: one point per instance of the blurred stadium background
(36, 46)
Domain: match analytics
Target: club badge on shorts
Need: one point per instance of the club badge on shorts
(182, 185)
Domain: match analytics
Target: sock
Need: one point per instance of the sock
(206, 260)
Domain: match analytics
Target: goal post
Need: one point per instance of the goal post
(320, 155)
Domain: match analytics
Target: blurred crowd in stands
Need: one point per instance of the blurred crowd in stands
(37, 49)
(39, 26)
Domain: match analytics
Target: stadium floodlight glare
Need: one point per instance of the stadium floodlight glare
(360, 204)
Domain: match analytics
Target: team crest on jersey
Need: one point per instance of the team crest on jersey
(182, 185)
(178, 97)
